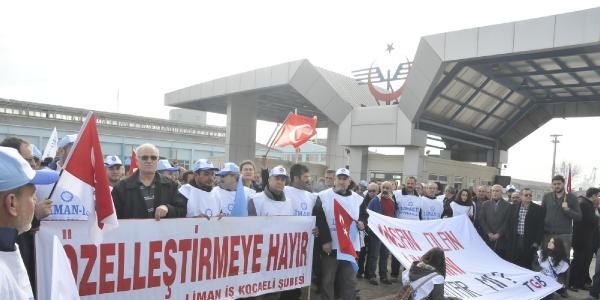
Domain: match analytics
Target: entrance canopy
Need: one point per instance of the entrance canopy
(278, 90)
(492, 86)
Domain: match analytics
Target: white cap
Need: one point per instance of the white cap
(342, 171)
(16, 172)
(112, 160)
(203, 165)
(278, 171)
(229, 168)
(67, 140)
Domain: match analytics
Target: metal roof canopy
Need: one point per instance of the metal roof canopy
(540, 69)
(279, 89)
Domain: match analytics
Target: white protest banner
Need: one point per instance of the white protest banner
(473, 270)
(182, 258)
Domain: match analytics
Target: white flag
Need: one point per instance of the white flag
(51, 146)
(54, 276)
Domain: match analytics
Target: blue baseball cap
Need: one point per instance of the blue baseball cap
(67, 140)
(203, 165)
(112, 160)
(36, 152)
(165, 165)
(229, 168)
(16, 172)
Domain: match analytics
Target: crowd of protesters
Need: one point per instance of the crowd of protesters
(535, 236)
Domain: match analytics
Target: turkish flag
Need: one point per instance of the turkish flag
(346, 229)
(296, 130)
(84, 179)
(133, 163)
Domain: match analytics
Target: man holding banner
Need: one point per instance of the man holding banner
(337, 259)
(147, 194)
(199, 194)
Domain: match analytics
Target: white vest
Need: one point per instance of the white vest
(226, 198)
(350, 203)
(409, 206)
(14, 282)
(200, 202)
(266, 206)
(459, 210)
(432, 209)
(302, 201)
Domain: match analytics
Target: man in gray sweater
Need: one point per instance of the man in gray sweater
(562, 209)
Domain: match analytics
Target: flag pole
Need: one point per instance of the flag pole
(273, 140)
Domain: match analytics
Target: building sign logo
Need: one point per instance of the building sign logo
(385, 71)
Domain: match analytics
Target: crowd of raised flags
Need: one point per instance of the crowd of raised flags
(82, 184)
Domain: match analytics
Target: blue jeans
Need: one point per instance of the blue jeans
(595, 290)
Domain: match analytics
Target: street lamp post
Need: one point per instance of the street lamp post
(555, 141)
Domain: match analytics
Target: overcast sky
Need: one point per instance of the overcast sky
(79, 54)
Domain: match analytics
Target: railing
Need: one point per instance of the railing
(44, 111)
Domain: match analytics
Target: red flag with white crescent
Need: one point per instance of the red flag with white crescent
(296, 130)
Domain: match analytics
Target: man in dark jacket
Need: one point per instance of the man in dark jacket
(372, 191)
(562, 208)
(493, 219)
(585, 234)
(385, 205)
(525, 229)
(146, 193)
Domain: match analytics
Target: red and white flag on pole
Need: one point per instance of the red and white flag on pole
(346, 232)
(82, 192)
(295, 131)
(569, 179)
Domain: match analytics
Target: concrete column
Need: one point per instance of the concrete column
(358, 163)
(413, 162)
(336, 154)
(496, 158)
(240, 140)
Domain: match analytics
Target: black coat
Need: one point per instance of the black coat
(534, 227)
(585, 232)
(130, 204)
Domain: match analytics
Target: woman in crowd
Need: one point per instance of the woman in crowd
(461, 205)
(248, 169)
(554, 263)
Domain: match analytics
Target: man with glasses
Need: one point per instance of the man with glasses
(147, 194)
(525, 230)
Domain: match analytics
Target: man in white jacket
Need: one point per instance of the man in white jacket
(17, 204)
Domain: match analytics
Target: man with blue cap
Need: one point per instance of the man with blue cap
(165, 169)
(64, 147)
(146, 193)
(199, 196)
(17, 204)
(225, 192)
(114, 169)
